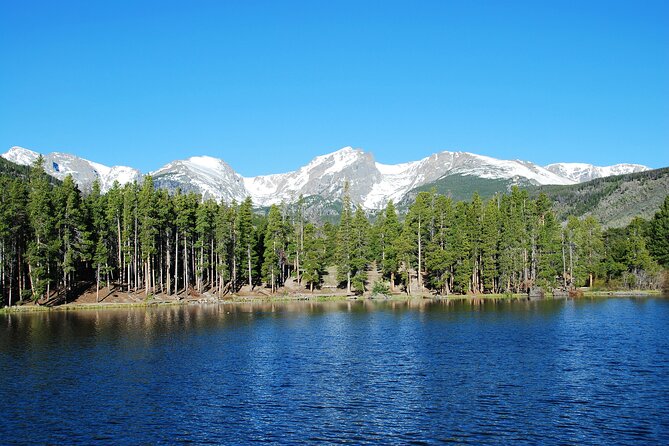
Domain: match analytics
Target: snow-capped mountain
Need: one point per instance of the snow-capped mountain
(83, 171)
(371, 183)
(208, 176)
(580, 172)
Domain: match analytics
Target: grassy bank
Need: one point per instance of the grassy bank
(27, 308)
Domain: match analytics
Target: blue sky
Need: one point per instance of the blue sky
(269, 85)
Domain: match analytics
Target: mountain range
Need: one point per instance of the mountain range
(371, 184)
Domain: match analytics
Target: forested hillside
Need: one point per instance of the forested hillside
(54, 242)
(615, 201)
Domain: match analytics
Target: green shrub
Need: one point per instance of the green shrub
(380, 288)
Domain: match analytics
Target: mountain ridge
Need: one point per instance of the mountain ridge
(371, 184)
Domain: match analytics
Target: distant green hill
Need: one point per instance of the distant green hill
(10, 169)
(13, 170)
(461, 187)
(615, 200)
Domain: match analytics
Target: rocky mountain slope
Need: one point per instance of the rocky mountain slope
(614, 200)
(84, 172)
(580, 172)
(371, 183)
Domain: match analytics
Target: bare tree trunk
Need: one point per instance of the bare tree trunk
(97, 285)
(135, 259)
(176, 261)
(185, 265)
(120, 257)
(564, 265)
(420, 256)
(248, 257)
(201, 268)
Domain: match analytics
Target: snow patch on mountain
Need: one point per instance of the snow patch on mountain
(580, 172)
(21, 156)
(209, 176)
(371, 184)
(83, 171)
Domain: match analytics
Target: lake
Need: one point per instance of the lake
(589, 371)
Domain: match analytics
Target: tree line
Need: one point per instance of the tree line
(56, 241)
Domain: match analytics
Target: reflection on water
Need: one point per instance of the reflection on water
(586, 371)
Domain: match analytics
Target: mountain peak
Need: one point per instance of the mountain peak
(84, 172)
(580, 172)
(20, 155)
(371, 184)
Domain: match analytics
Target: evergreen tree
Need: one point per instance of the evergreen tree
(474, 228)
(388, 230)
(246, 240)
(225, 247)
(462, 265)
(40, 214)
(439, 258)
(591, 247)
(360, 250)
(659, 234)
(344, 246)
(274, 255)
(148, 231)
(548, 244)
(314, 255)
(114, 218)
(97, 204)
(490, 235)
(13, 235)
(204, 245)
(417, 227)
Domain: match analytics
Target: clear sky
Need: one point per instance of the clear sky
(268, 85)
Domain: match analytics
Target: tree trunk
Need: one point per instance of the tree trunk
(185, 265)
(248, 256)
(120, 244)
(420, 257)
(97, 285)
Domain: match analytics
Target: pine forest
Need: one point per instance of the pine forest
(56, 242)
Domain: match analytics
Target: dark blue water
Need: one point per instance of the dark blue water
(585, 372)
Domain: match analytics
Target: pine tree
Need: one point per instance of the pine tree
(389, 229)
(97, 204)
(314, 256)
(274, 255)
(637, 256)
(548, 246)
(166, 217)
(148, 231)
(298, 237)
(474, 228)
(360, 250)
(417, 230)
(14, 230)
(114, 217)
(571, 255)
(246, 240)
(204, 228)
(439, 257)
(590, 245)
(40, 214)
(225, 233)
(344, 247)
(659, 234)
(462, 267)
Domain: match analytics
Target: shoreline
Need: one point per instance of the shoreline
(236, 299)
